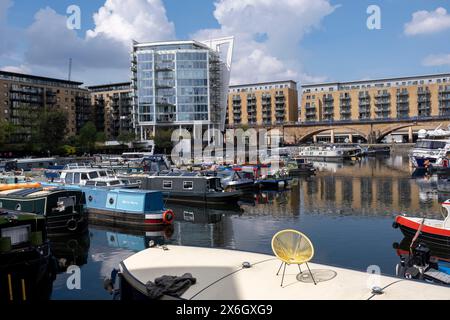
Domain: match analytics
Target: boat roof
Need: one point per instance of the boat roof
(220, 276)
(30, 192)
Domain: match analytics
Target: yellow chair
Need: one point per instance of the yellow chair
(292, 247)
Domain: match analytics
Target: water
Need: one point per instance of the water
(346, 210)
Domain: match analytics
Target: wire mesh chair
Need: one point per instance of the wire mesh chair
(292, 247)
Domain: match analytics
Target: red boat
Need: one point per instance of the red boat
(434, 232)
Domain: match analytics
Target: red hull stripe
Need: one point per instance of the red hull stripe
(154, 221)
(427, 229)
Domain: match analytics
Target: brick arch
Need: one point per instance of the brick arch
(389, 130)
(317, 131)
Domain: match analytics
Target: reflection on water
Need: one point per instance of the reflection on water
(346, 209)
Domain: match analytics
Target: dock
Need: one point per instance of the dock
(221, 275)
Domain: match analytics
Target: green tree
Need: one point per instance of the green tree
(100, 137)
(50, 131)
(126, 137)
(86, 138)
(6, 129)
(163, 140)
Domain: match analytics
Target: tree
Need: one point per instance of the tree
(87, 136)
(163, 140)
(6, 129)
(100, 137)
(50, 131)
(125, 137)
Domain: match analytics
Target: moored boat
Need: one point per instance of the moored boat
(27, 269)
(190, 187)
(126, 207)
(62, 209)
(434, 232)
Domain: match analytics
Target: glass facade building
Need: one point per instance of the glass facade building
(180, 83)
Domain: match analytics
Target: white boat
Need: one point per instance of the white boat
(431, 148)
(79, 175)
(329, 152)
(236, 275)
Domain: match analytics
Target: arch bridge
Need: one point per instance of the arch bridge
(373, 131)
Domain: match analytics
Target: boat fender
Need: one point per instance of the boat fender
(72, 224)
(395, 225)
(168, 216)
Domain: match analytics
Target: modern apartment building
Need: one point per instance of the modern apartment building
(22, 96)
(113, 108)
(261, 104)
(420, 97)
(180, 83)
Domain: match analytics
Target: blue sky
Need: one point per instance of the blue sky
(320, 40)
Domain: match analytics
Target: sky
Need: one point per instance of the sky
(304, 40)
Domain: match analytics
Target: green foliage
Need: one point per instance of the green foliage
(86, 138)
(6, 130)
(49, 131)
(100, 137)
(68, 150)
(163, 140)
(126, 137)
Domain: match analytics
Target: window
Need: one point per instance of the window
(93, 175)
(76, 178)
(167, 184)
(101, 184)
(188, 185)
(69, 178)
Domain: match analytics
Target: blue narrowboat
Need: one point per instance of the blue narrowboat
(126, 207)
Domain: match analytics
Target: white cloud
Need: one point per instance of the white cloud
(18, 69)
(102, 55)
(427, 22)
(434, 60)
(141, 20)
(267, 36)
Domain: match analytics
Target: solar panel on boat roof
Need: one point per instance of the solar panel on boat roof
(190, 174)
(173, 174)
(25, 192)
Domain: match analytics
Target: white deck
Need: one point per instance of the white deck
(220, 276)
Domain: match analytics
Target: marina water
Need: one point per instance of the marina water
(346, 209)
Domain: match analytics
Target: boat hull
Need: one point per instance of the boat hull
(27, 275)
(434, 237)
(214, 198)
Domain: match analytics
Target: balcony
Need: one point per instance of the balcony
(345, 112)
(382, 95)
(165, 83)
(328, 99)
(403, 108)
(165, 66)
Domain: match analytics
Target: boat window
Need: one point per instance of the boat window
(93, 175)
(188, 185)
(101, 184)
(84, 176)
(429, 144)
(167, 184)
(69, 178)
(90, 183)
(76, 178)
(110, 172)
(102, 173)
(114, 182)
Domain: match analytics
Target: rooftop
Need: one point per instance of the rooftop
(319, 84)
(262, 83)
(6, 75)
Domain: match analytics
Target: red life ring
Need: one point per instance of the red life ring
(168, 216)
(445, 163)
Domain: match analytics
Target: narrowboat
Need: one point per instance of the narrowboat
(329, 153)
(63, 209)
(190, 187)
(126, 207)
(27, 268)
(299, 166)
(433, 232)
(233, 180)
